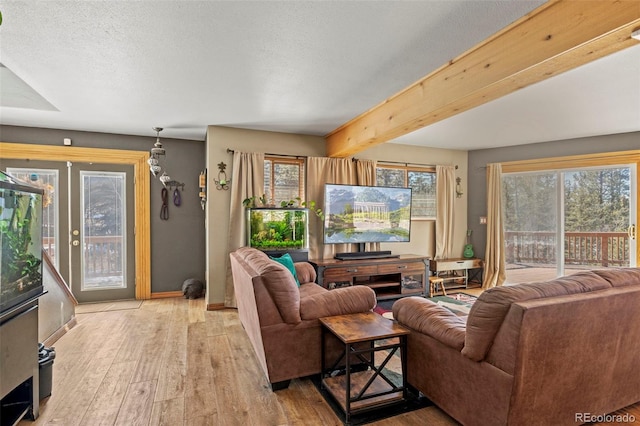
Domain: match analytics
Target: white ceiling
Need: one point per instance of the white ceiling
(289, 66)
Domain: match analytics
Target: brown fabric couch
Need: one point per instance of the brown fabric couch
(530, 354)
(281, 319)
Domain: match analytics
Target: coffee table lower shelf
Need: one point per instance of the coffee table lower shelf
(379, 393)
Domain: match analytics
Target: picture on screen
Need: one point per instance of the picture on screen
(362, 214)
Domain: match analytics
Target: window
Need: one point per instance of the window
(422, 181)
(283, 179)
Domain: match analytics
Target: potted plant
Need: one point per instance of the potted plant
(311, 205)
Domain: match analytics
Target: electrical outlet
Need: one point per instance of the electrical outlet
(67, 141)
(483, 220)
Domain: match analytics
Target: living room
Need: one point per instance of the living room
(184, 246)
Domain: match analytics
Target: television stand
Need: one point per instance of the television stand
(390, 278)
(358, 255)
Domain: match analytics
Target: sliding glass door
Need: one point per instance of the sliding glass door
(563, 221)
(531, 225)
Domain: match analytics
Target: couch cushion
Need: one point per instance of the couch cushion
(620, 277)
(305, 272)
(250, 255)
(310, 289)
(341, 301)
(431, 319)
(488, 312)
(279, 284)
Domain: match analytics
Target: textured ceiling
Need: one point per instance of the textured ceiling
(289, 66)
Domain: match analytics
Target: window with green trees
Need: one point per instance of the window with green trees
(568, 220)
(422, 181)
(283, 179)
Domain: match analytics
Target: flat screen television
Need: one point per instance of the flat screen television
(366, 214)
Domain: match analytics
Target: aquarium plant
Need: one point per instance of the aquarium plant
(20, 266)
(278, 228)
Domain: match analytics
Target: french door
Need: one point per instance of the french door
(88, 224)
(102, 244)
(562, 221)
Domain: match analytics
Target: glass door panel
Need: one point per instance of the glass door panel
(104, 220)
(530, 208)
(597, 215)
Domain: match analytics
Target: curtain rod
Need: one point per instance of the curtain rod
(231, 151)
(405, 164)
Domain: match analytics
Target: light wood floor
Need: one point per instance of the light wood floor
(170, 362)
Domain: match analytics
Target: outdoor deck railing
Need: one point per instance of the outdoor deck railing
(103, 255)
(580, 248)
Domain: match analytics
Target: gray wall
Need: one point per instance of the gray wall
(479, 159)
(177, 245)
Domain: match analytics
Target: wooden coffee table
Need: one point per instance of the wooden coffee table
(357, 391)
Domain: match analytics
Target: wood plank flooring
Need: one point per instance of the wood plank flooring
(170, 362)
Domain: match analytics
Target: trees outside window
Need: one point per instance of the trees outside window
(422, 181)
(563, 221)
(283, 179)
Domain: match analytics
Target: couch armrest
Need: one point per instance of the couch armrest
(431, 319)
(347, 300)
(305, 272)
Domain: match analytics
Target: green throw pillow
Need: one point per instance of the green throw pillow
(287, 261)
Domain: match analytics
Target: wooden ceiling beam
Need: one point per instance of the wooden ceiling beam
(554, 38)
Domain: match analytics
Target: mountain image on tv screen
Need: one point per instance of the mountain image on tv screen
(363, 214)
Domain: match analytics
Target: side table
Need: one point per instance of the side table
(359, 391)
(455, 271)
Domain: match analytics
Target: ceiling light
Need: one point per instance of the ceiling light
(636, 34)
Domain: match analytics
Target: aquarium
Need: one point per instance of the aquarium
(20, 242)
(278, 229)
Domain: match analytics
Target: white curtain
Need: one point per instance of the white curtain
(321, 170)
(494, 263)
(445, 196)
(247, 181)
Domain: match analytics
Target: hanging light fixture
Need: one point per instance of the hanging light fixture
(158, 152)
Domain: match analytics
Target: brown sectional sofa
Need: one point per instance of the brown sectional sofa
(530, 354)
(281, 319)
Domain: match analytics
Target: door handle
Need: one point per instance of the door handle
(631, 231)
